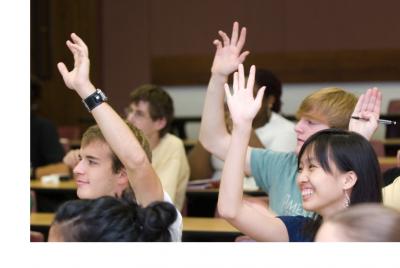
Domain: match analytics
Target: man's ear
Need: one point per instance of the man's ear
(122, 178)
(349, 180)
(161, 123)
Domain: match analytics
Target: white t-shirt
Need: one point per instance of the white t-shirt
(176, 227)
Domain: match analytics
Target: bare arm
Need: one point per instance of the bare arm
(213, 133)
(143, 179)
(231, 206)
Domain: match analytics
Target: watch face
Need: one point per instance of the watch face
(94, 100)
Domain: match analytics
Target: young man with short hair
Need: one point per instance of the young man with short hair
(151, 110)
(112, 155)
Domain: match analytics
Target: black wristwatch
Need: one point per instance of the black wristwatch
(94, 100)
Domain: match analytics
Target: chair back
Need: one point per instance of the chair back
(393, 131)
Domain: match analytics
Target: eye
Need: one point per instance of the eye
(92, 162)
(310, 122)
(312, 166)
(299, 169)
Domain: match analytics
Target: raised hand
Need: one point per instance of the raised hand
(228, 55)
(242, 105)
(368, 108)
(79, 76)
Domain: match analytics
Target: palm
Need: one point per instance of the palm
(226, 60)
(228, 55)
(242, 104)
(367, 107)
(79, 76)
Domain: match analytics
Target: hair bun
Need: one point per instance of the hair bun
(154, 221)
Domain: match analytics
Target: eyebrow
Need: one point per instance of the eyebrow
(90, 157)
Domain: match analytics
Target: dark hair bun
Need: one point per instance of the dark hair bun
(154, 220)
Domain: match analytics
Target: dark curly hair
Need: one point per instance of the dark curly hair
(111, 219)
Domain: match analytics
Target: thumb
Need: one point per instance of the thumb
(62, 69)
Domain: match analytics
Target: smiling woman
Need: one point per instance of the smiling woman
(336, 168)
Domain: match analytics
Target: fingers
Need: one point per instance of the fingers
(250, 80)
(259, 96)
(378, 102)
(235, 33)
(235, 82)
(224, 37)
(371, 100)
(74, 50)
(218, 44)
(242, 39)
(77, 40)
(359, 104)
(243, 56)
(241, 77)
(227, 91)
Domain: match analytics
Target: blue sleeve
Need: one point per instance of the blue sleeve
(295, 227)
(268, 167)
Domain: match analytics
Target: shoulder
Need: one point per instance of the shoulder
(171, 140)
(295, 227)
(259, 154)
(278, 119)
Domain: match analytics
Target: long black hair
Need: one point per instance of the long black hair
(111, 219)
(349, 151)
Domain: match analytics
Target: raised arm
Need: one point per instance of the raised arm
(143, 179)
(368, 107)
(249, 220)
(228, 55)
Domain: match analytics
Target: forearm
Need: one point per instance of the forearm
(213, 133)
(124, 144)
(230, 197)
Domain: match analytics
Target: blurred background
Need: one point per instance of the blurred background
(308, 44)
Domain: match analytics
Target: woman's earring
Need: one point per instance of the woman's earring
(346, 200)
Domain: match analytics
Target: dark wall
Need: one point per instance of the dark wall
(170, 43)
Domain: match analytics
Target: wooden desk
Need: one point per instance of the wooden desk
(391, 141)
(387, 160)
(62, 185)
(194, 229)
(50, 196)
(41, 219)
(190, 224)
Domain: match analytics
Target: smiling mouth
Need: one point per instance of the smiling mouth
(306, 194)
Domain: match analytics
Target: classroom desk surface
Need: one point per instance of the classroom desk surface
(190, 224)
(62, 185)
(387, 160)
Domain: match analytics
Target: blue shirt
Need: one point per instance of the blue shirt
(275, 173)
(295, 226)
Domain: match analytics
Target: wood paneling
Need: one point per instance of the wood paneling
(341, 66)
